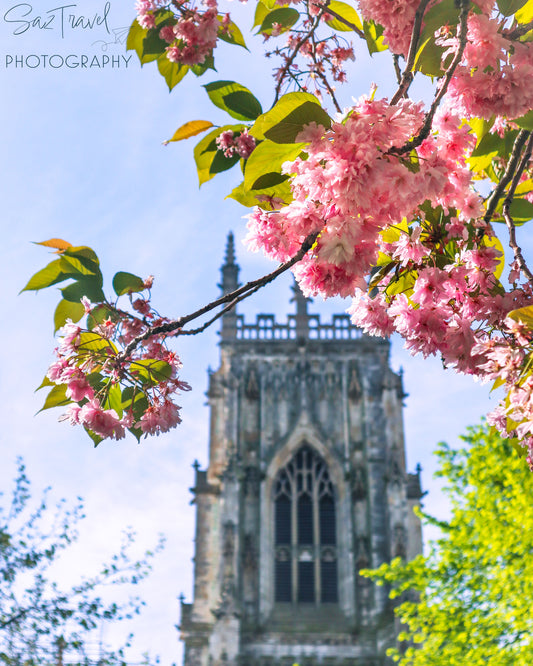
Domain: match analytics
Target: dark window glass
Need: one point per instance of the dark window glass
(328, 575)
(327, 521)
(305, 530)
(306, 582)
(283, 581)
(283, 520)
(305, 520)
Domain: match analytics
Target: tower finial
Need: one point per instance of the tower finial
(230, 250)
(230, 282)
(302, 316)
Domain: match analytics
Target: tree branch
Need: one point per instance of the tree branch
(408, 76)
(506, 210)
(445, 82)
(232, 298)
(496, 195)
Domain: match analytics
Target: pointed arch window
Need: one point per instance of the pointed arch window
(305, 531)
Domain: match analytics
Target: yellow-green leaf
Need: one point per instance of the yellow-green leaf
(56, 243)
(67, 310)
(346, 12)
(524, 315)
(192, 128)
(288, 117)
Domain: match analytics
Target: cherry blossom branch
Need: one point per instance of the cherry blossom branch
(324, 78)
(426, 127)
(507, 177)
(506, 210)
(290, 59)
(517, 32)
(408, 76)
(232, 298)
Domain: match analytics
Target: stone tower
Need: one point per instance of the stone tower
(306, 485)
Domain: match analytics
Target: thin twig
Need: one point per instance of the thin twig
(497, 194)
(408, 76)
(324, 78)
(506, 210)
(397, 70)
(286, 69)
(424, 131)
(231, 298)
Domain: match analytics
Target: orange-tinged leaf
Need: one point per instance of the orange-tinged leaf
(192, 128)
(58, 243)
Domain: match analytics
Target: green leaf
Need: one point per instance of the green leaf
(56, 397)
(222, 163)
(429, 55)
(135, 400)
(267, 180)
(526, 122)
(267, 158)
(46, 382)
(428, 59)
(288, 117)
(495, 243)
(347, 12)
(172, 72)
(235, 99)
(261, 11)
(96, 438)
(508, 7)
(135, 39)
(248, 198)
(127, 283)
(521, 210)
(286, 17)
(51, 274)
(67, 310)
(374, 37)
(151, 371)
(100, 313)
(114, 399)
(242, 105)
(89, 287)
(153, 44)
(230, 33)
(94, 342)
(201, 68)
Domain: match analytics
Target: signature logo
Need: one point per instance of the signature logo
(61, 19)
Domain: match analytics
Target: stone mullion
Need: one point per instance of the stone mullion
(294, 538)
(316, 537)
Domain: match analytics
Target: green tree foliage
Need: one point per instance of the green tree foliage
(42, 624)
(469, 601)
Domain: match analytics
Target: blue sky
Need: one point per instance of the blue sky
(83, 160)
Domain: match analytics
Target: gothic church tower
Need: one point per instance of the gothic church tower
(306, 485)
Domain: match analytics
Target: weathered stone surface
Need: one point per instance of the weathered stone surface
(281, 387)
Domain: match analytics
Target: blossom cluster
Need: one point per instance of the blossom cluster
(110, 392)
(405, 235)
(396, 17)
(191, 34)
(495, 76)
(241, 143)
